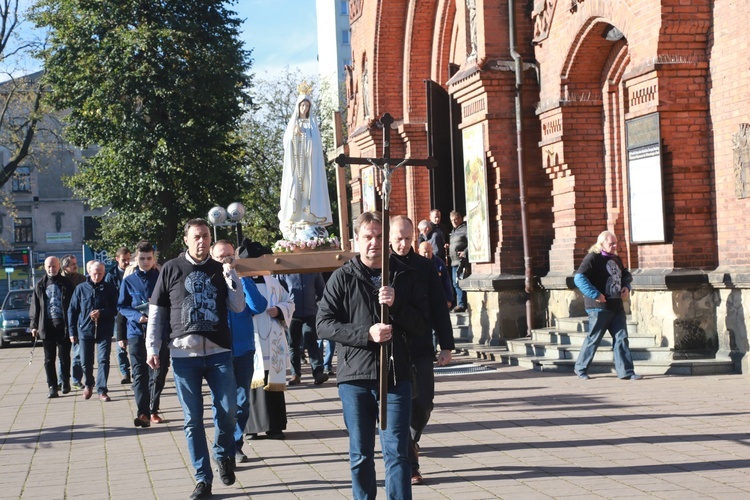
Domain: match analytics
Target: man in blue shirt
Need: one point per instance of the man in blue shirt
(243, 343)
(135, 292)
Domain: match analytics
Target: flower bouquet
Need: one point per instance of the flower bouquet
(307, 245)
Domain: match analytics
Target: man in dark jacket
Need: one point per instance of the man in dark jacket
(349, 313)
(91, 321)
(421, 348)
(69, 265)
(306, 290)
(115, 276)
(48, 313)
(459, 244)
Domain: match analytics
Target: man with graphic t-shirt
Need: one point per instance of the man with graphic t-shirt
(195, 293)
(48, 313)
(605, 283)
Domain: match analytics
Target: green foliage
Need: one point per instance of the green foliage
(263, 131)
(160, 88)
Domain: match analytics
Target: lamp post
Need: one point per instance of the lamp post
(225, 217)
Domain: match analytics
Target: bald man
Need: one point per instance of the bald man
(421, 348)
(48, 313)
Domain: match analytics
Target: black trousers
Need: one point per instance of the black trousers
(56, 345)
(422, 405)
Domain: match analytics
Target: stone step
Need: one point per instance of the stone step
(551, 350)
(575, 338)
(667, 367)
(460, 319)
(461, 333)
(671, 367)
(581, 324)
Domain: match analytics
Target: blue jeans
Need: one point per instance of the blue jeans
(328, 356)
(103, 349)
(188, 380)
(243, 373)
(460, 295)
(302, 336)
(601, 320)
(359, 399)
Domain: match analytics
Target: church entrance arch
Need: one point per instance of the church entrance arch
(583, 144)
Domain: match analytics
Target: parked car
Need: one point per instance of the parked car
(14, 318)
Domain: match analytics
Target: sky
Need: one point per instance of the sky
(279, 32)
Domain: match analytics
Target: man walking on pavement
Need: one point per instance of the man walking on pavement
(135, 291)
(48, 313)
(115, 276)
(195, 293)
(91, 321)
(421, 347)
(69, 265)
(605, 284)
(306, 290)
(243, 344)
(348, 313)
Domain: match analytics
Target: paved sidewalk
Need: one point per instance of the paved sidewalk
(509, 433)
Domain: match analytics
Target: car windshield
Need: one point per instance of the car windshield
(17, 300)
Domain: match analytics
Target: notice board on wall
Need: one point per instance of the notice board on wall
(645, 186)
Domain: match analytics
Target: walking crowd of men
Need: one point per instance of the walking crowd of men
(195, 314)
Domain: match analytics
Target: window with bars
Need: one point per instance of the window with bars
(23, 230)
(22, 180)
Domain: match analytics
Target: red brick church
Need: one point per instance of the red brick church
(633, 116)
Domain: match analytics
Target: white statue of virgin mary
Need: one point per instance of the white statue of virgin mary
(305, 206)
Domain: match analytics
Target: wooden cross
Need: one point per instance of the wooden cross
(386, 166)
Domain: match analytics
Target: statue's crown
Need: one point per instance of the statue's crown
(304, 88)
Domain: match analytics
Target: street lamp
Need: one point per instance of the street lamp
(231, 216)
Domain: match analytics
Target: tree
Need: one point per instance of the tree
(20, 98)
(159, 87)
(263, 128)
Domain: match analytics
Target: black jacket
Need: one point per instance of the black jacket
(437, 315)
(349, 308)
(38, 308)
(458, 243)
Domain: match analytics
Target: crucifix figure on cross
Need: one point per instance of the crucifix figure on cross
(385, 165)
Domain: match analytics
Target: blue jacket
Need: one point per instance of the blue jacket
(445, 277)
(306, 290)
(86, 298)
(241, 324)
(115, 276)
(135, 291)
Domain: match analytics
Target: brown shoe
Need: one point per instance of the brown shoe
(142, 421)
(294, 380)
(105, 398)
(155, 418)
(416, 479)
(87, 393)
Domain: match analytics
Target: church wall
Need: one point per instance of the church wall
(669, 61)
(729, 96)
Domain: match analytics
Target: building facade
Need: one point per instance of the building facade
(39, 216)
(334, 46)
(633, 117)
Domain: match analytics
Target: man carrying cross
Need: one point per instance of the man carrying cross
(349, 314)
